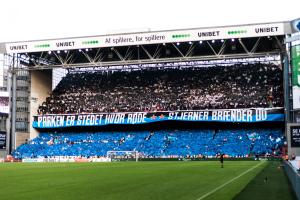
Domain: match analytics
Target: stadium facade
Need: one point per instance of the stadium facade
(34, 66)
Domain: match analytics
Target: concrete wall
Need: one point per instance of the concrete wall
(21, 138)
(294, 177)
(41, 87)
(2, 154)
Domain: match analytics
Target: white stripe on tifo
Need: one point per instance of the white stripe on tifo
(231, 180)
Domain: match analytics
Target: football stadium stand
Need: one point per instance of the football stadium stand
(256, 85)
(154, 144)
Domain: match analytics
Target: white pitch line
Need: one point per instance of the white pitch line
(231, 180)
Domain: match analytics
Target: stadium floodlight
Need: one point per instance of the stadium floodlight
(58, 51)
(178, 43)
(232, 40)
(66, 51)
(190, 43)
(213, 41)
(86, 49)
(200, 42)
(79, 50)
(222, 40)
(49, 52)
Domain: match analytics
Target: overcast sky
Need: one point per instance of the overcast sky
(22, 20)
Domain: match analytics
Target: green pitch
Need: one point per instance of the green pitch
(127, 180)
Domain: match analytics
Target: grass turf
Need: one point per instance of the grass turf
(126, 180)
(271, 183)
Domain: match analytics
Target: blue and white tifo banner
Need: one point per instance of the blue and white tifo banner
(98, 119)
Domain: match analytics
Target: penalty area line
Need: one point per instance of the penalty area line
(230, 181)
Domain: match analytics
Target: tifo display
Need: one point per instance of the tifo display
(157, 144)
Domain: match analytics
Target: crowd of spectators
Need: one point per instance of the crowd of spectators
(214, 87)
(150, 144)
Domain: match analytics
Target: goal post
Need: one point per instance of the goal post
(123, 155)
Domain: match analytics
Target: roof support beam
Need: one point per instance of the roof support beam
(178, 50)
(190, 50)
(243, 45)
(146, 51)
(222, 49)
(118, 54)
(154, 61)
(99, 56)
(253, 50)
(157, 51)
(211, 48)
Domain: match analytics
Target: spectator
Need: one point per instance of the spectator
(219, 87)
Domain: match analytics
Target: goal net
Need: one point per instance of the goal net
(123, 155)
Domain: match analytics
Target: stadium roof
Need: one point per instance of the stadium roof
(251, 40)
(155, 37)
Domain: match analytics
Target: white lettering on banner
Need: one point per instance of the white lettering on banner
(172, 115)
(184, 115)
(226, 115)
(134, 118)
(79, 120)
(40, 119)
(89, 120)
(70, 121)
(230, 115)
(118, 118)
(51, 121)
(233, 115)
(195, 116)
(261, 115)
